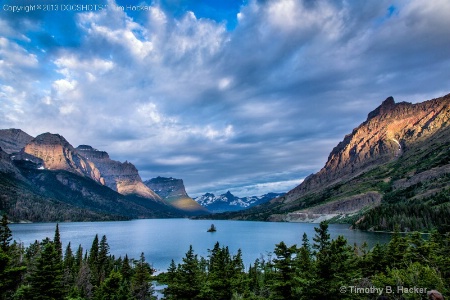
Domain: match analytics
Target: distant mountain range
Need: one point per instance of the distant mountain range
(229, 202)
(46, 179)
(392, 169)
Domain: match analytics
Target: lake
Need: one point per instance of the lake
(162, 240)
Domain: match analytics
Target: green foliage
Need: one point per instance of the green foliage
(40, 272)
(140, 283)
(301, 273)
(307, 272)
(46, 280)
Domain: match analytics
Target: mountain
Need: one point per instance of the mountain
(229, 202)
(172, 190)
(54, 152)
(13, 140)
(399, 157)
(50, 180)
(121, 177)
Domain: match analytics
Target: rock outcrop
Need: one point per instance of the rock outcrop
(13, 140)
(173, 191)
(56, 153)
(121, 177)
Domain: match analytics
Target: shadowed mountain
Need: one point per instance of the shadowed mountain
(13, 140)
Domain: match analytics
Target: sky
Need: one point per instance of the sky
(247, 96)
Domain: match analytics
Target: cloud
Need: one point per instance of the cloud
(239, 107)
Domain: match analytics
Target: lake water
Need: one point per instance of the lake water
(162, 240)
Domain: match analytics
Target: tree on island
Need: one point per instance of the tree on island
(212, 228)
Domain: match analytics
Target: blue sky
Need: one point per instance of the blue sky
(248, 96)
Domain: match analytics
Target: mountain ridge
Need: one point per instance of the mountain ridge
(228, 202)
(48, 170)
(401, 151)
(121, 177)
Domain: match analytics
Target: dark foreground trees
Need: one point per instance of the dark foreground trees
(327, 269)
(324, 269)
(41, 272)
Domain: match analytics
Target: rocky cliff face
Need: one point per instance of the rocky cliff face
(172, 190)
(121, 177)
(56, 153)
(389, 131)
(13, 140)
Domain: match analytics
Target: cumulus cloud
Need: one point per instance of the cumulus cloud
(249, 108)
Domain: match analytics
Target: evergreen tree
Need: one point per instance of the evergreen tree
(171, 290)
(218, 284)
(319, 286)
(78, 258)
(46, 280)
(113, 288)
(103, 267)
(322, 238)
(93, 262)
(141, 287)
(188, 282)
(5, 234)
(57, 242)
(10, 270)
(125, 269)
(68, 267)
(283, 283)
(239, 280)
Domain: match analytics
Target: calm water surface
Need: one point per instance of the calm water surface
(162, 240)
